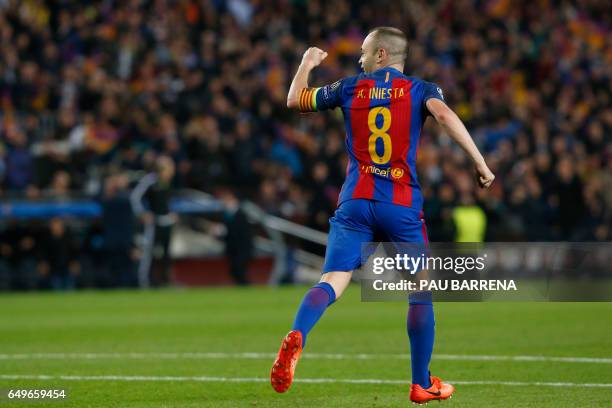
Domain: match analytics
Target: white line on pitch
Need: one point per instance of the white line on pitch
(263, 380)
(318, 356)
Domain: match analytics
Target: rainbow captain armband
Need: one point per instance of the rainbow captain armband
(308, 99)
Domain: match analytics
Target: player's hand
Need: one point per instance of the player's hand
(314, 56)
(484, 176)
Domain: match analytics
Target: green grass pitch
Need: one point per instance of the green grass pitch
(131, 349)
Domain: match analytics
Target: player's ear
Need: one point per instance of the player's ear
(381, 55)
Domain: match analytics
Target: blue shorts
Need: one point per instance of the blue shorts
(358, 221)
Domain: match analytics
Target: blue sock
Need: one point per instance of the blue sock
(313, 305)
(420, 326)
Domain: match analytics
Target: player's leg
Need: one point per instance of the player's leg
(348, 229)
(406, 225)
(403, 224)
(318, 299)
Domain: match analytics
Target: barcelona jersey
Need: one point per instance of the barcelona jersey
(384, 112)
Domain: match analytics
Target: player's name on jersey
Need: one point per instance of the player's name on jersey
(381, 93)
(446, 285)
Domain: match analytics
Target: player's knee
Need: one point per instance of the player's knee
(338, 281)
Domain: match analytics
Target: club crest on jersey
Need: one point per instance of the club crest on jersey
(397, 172)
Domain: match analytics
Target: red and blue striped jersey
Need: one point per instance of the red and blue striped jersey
(384, 112)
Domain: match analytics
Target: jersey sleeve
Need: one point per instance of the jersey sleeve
(318, 99)
(431, 90)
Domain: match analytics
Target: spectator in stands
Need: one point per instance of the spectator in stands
(19, 162)
(2, 165)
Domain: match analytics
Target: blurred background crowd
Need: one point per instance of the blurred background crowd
(93, 90)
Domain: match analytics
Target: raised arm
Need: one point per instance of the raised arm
(451, 123)
(137, 195)
(311, 59)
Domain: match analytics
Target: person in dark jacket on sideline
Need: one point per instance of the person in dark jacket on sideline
(151, 201)
(238, 236)
(119, 225)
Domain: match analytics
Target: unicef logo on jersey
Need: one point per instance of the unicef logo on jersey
(395, 172)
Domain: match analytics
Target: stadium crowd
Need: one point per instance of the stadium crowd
(94, 88)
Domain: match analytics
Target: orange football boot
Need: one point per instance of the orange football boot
(281, 375)
(437, 391)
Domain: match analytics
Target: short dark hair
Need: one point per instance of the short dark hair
(393, 40)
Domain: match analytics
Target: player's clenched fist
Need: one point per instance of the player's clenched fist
(484, 176)
(314, 56)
